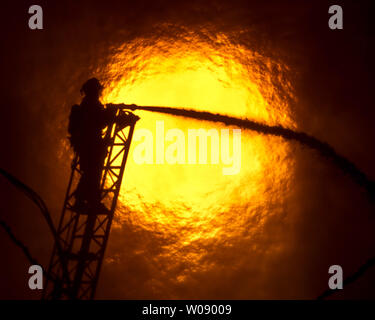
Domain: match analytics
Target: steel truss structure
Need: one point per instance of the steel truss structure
(83, 235)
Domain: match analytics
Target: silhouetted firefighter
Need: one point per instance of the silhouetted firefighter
(86, 124)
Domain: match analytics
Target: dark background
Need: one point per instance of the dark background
(42, 71)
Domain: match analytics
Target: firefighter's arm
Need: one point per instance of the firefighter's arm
(126, 118)
(108, 116)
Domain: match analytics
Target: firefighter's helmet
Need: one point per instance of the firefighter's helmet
(91, 86)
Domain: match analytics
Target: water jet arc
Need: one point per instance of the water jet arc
(323, 148)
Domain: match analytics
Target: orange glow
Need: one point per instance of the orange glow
(187, 204)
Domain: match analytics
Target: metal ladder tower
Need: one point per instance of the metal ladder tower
(76, 262)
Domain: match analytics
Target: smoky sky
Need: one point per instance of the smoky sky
(326, 219)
